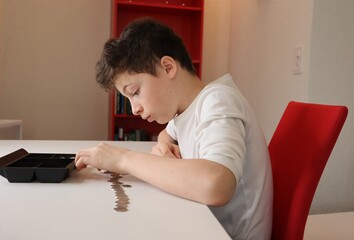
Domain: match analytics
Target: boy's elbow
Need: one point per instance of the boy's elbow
(221, 188)
(218, 201)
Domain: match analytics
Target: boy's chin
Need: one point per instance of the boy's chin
(162, 121)
(165, 119)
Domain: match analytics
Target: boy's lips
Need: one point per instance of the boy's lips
(148, 118)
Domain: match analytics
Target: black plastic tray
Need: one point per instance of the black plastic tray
(21, 166)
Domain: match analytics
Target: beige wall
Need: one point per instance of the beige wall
(216, 39)
(48, 50)
(47, 53)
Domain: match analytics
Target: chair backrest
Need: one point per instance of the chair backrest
(299, 150)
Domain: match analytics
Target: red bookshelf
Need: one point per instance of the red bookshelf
(186, 19)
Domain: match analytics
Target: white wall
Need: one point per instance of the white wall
(48, 50)
(263, 37)
(332, 81)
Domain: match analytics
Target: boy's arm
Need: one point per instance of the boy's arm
(199, 180)
(165, 137)
(166, 146)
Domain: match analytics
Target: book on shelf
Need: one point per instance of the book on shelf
(122, 104)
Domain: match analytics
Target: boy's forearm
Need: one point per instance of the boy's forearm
(195, 179)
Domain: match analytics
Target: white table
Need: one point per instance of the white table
(82, 207)
(330, 226)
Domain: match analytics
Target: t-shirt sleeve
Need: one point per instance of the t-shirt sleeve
(221, 133)
(171, 129)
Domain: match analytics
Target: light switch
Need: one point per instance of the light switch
(298, 59)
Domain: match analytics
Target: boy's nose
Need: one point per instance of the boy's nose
(136, 109)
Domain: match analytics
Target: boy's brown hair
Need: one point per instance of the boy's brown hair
(138, 49)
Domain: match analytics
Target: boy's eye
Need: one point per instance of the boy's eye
(136, 92)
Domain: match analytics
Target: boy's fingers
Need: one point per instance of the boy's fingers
(80, 165)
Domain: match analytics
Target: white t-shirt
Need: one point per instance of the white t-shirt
(220, 126)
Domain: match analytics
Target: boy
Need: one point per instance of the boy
(212, 150)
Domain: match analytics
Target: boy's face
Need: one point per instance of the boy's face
(153, 98)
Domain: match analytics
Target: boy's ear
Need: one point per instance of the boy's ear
(169, 65)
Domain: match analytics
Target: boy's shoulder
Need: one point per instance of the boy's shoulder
(222, 93)
(223, 84)
(225, 79)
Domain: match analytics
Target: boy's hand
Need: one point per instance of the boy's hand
(103, 156)
(166, 149)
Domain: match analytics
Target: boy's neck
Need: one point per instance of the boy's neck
(189, 86)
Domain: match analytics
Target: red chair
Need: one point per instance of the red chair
(299, 150)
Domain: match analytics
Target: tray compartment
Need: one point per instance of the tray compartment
(54, 170)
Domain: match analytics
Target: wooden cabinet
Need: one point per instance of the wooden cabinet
(186, 19)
